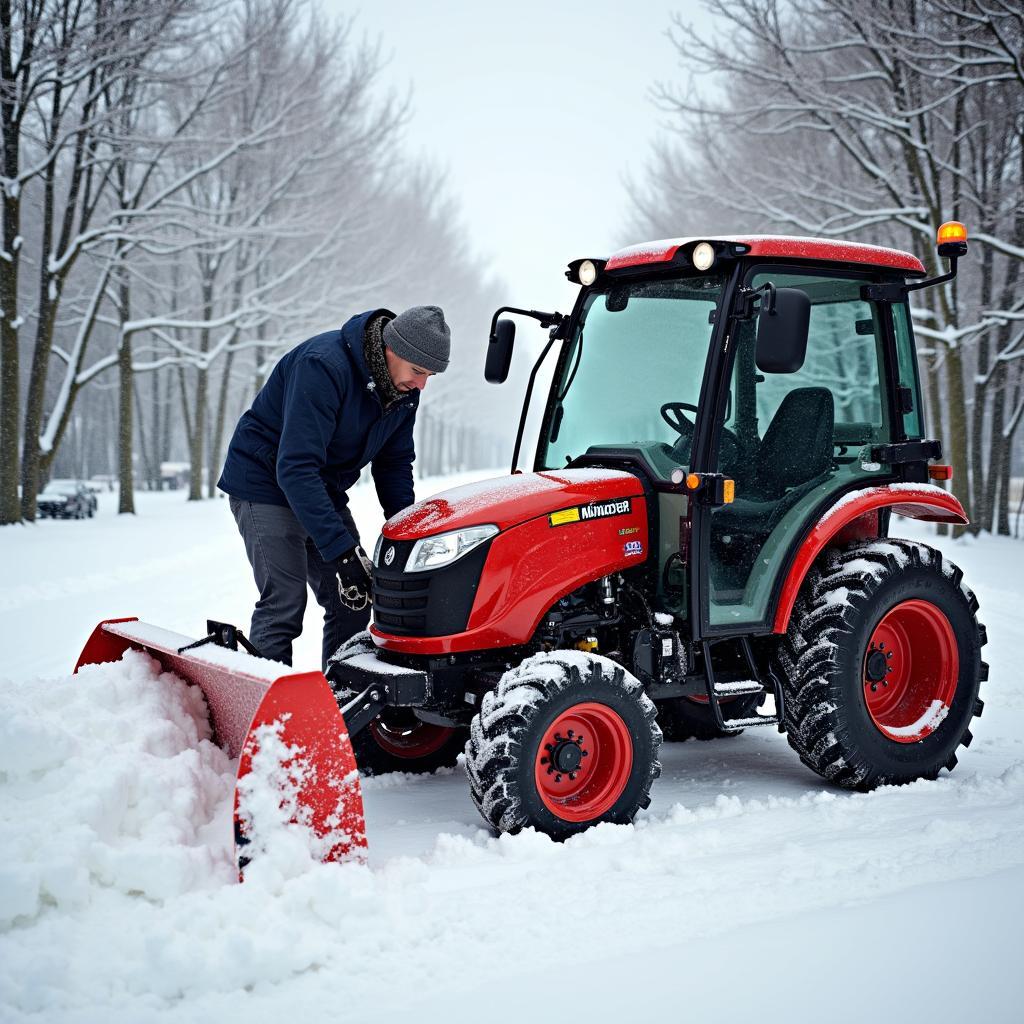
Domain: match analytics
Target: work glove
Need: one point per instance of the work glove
(353, 569)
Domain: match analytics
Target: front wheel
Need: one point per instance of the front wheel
(882, 665)
(564, 741)
(396, 740)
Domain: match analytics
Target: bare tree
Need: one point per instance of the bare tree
(210, 181)
(876, 120)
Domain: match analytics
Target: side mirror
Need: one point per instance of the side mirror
(499, 352)
(782, 326)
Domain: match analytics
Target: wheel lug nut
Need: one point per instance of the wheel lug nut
(572, 775)
(586, 753)
(874, 687)
(558, 778)
(570, 734)
(543, 760)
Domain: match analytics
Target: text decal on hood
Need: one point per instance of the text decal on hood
(584, 513)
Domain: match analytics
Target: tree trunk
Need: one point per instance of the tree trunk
(195, 488)
(165, 425)
(958, 433)
(31, 454)
(217, 434)
(186, 419)
(1006, 469)
(200, 410)
(1003, 511)
(126, 500)
(156, 415)
(10, 400)
(144, 449)
(997, 447)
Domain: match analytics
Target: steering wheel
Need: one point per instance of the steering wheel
(672, 414)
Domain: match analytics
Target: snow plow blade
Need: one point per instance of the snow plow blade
(246, 696)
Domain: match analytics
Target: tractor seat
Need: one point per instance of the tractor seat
(795, 451)
(797, 446)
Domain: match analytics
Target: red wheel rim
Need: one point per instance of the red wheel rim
(583, 762)
(911, 668)
(409, 739)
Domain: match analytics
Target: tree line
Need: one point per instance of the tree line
(875, 120)
(190, 188)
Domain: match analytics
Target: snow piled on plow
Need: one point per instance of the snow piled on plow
(109, 783)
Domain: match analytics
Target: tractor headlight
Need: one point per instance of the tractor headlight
(433, 552)
(587, 273)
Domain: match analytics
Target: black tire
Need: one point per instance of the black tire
(508, 747)
(396, 741)
(830, 677)
(682, 719)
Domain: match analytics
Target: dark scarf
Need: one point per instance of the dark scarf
(373, 352)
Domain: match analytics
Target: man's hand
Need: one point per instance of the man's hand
(353, 569)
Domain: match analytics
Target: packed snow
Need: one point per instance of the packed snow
(749, 888)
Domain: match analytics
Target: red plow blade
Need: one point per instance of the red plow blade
(247, 697)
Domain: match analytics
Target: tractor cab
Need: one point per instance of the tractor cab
(751, 383)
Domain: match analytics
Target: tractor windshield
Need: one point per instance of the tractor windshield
(633, 370)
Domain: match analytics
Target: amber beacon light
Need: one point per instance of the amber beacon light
(951, 239)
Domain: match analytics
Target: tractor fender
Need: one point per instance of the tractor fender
(860, 508)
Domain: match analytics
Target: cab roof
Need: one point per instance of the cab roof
(787, 246)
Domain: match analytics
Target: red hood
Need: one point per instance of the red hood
(508, 500)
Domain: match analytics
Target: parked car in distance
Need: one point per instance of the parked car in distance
(66, 499)
(83, 488)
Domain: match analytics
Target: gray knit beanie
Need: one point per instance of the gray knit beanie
(420, 336)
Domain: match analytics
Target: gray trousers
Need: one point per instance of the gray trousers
(284, 560)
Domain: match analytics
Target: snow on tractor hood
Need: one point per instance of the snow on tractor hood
(508, 500)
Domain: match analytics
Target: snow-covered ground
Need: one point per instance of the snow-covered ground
(748, 889)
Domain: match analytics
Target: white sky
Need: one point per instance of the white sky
(537, 111)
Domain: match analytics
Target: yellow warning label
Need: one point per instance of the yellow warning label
(567, 515)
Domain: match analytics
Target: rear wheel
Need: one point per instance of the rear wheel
(882, 665)
(565, 741)
(396, 741)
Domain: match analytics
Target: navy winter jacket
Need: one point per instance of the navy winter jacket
(313, 427)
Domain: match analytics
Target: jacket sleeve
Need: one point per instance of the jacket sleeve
(312, 402)
(392, 470)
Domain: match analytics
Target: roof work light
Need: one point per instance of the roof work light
(585, 272)
(703, 255)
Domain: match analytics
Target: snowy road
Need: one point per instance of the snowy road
(748, 888)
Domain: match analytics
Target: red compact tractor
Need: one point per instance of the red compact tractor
(702, 545)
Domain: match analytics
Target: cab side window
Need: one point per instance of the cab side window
(791, 440)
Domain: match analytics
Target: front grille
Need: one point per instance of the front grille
(400, 602)
(434, 603)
